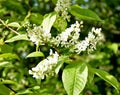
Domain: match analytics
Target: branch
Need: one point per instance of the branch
(115, 32)
(8, 27)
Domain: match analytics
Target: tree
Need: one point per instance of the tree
(59, 47)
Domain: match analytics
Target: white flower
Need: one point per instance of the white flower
(96, 31)
(62, 8)
(45, 67)
(89, 44)
(69, 36)
(38, 36)
(81, 46)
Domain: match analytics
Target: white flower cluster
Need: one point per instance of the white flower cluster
(62, 7)
(38, 35)
(69, 37)
(45, 67)
(94, 36)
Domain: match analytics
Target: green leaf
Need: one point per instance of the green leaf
(4, 90)
(14, 24)
(24, 92)
(6, 48)
(36, 18)
(14, 5)
(9, 56)
(60, 24)
(113, 47)
(1, 41)
(48, 21)
(61, 60)
(90, 74)
(108, 78)
(54, 1)
(6, 64)
(35, 54)
(74, 78)
(8, 82)
(29, 91)
(17, 38)
(83, 13)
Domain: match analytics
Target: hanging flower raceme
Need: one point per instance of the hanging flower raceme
(62, 8)
(69, 37)
(89, 44)
(38, 35)
(45, 67)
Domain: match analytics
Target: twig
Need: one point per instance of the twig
(9, 27)
(28, 15)
(115, 32)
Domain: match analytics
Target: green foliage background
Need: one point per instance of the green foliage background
(14, 77)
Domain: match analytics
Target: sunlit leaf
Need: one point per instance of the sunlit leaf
(61, 60)
(29, 91)
(35, 54)
(108, 78)
(6, 64)
(83, 13)
(17, 38)
(54, 1)
(1, 41)
(9, 56)
(60, 24)
(24, 92)
(36, 18)
(8, 82)
(36, 87)
(113, 47)
(14, 24)
(48, 21)
(74, 78)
